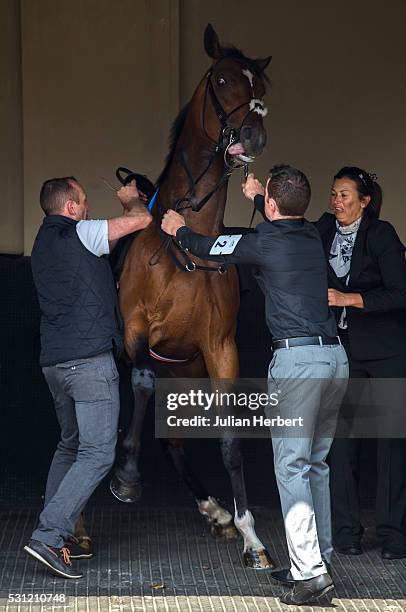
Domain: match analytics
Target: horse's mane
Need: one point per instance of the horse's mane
(175, 132)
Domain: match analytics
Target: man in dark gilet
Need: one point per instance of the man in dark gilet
(80, 329)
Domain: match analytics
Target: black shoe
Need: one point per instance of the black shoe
(285, 577)
(56, 559)
(305, 591)
(349, 549)
(388, 553)
(79, 549)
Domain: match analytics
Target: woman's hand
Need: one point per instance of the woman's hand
(340, 299)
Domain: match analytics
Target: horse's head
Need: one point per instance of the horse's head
(233, 107)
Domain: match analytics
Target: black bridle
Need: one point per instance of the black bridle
(227, 136)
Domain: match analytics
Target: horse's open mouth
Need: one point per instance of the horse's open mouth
(238, 151)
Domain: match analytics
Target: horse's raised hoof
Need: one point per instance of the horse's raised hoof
(258, 559)
(81, 547)
(129, 493)
(228, 531)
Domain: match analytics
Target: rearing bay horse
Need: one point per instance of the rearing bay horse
(183, 316)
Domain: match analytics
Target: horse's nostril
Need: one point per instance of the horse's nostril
(247, 132)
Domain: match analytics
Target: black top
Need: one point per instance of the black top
(378, 273)
(290, 269)
(76, 293)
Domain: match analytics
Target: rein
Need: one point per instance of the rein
(170, 246)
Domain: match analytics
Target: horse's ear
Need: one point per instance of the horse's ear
(211, 42)
(263, 63)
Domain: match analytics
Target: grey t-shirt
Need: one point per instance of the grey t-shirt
(94, 236)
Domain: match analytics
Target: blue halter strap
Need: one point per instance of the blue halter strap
(152, 200)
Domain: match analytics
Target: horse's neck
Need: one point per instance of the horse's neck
(199, 152)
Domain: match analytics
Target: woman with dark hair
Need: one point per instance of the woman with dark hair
(367, 291)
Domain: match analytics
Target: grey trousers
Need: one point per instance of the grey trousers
(86, 399)
(300, 459)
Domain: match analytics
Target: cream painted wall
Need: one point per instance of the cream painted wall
(100, 90)
(11, 171)
(103, 81)
(338, 89)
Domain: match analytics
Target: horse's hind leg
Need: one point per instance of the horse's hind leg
(255, 554)
(126, 482)
(219, 519)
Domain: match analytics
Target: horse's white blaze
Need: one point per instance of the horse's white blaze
(214, 512)
(249, 76)
(245, 526)
(257, 106)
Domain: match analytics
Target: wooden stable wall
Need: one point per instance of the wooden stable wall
(87, 85)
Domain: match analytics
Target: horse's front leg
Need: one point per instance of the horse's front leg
(218, 518)
(222, 363)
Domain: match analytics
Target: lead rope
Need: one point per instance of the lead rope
(246, 171)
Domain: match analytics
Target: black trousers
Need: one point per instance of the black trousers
(391, 471)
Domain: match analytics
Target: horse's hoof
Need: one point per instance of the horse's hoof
(227, 531)
(83, 548)
(129, 493)
(86, 543)
(258, 560)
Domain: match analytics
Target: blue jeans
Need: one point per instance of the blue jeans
(86, 399)
(302, 473)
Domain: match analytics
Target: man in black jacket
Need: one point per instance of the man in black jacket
(291, 271)
(367, 293)
(80, 328)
